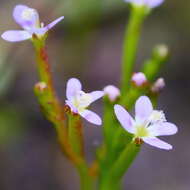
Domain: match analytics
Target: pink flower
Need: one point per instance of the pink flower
(148, 123)
(28, 19)
(78, 100)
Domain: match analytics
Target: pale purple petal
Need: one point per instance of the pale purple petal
(124, 118)
(143, 108)
(96, 95)
(73, 109)
(22, 19)
(91, 117)
(154, 3)
(16, 35)
(157, 143)
(38, 31)
(73, 86)
(149, 3)
(52, 24)
(163, 129)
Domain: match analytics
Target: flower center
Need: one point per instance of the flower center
(82, 100)
(141, 131)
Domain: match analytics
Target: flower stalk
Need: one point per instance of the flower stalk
(131, 39)
(75, 131)
(119, 168)
(160, 55)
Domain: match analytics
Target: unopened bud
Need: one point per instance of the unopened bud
(162, 50)
(139, 79)
(41, 86)
(158, 85)
(112, 92)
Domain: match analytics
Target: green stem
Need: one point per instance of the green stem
(112, 180)
(54, 112)
(85, 179)
(49, 102)
(152, 66)
(130, 45)
(108, 122)
(75, 129)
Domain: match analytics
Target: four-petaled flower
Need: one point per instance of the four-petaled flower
(28, 19)
(148, 3)
(148, 123)
(78, 100)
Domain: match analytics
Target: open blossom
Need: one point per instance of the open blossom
(139, 79)
(28, 19)
(148, 3)
(148, 123)
(78, 100)
(112, 92)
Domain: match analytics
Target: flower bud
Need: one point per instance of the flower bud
(139, 79)
(158, 85)
(112, 92)
(41, 86)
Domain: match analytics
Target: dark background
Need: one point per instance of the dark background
(88, 45)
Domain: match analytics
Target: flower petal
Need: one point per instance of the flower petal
(149, 3)
(73, 86)
(143, 108)
(153, 141)
(38, 31)
(124, 118)
(73, 109)
(26, 17)
(154, 3)
(163, 129)
(16, 35)
(96, 95)
(52, 24)
(91, 117)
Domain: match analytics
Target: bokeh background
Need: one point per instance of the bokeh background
(88, 45)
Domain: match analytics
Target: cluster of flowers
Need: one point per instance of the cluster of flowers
(148, 123)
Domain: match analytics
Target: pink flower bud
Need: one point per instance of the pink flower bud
(139, 79)
(112, 92)
(158, 85)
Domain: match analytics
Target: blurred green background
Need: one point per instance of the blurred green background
(88, 45)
